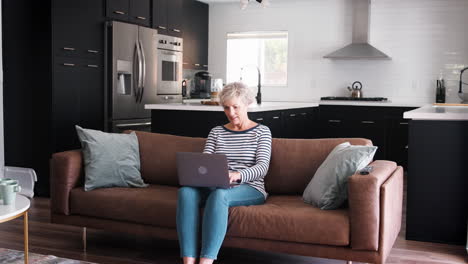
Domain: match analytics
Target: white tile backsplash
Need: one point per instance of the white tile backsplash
(423, 37)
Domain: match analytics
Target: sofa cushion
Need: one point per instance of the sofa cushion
(158, 155)
(110, 159)
(328, 189)
(155, 205)
(288, 218)
(294, 162)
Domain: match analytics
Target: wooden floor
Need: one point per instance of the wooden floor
(112, 248)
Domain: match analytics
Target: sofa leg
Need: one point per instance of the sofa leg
(349, 262)
(84, 239)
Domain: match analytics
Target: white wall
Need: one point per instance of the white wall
(2, 152)
(423, 37)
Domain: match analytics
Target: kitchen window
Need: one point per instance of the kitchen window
(267, 50)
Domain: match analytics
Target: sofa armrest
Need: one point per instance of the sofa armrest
(364, 204)
(66, 173)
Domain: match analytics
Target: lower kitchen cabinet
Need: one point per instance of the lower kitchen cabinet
(77, 99)
(385, 126)
(294, 123)
(437, 204)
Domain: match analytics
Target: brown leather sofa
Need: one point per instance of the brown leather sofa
(364, 230)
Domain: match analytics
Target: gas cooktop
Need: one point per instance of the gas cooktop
(343, 98)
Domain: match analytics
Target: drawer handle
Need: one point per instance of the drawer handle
(292, 115)
(68, 48)
(162, 27)
(205, 65)
(367, 122)
(69, 64)
(93, 51)
(197, 64)
(92, 65)
(185, 63)
(403, 123)
(176, 30)
(406, 147)
(276, 117)
(303, 114)
(140, 17)
(334, 121)
(119, 12)
(259, 119)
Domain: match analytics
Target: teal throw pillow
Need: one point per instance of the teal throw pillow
(328, 189)
(111, 160)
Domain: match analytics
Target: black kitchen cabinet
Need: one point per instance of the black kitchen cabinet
(383, 125)
(397, 141)
(195, 26)
(437, 204)
(167, 17)
(140, 12)
(78, 28)
(133, 11)
(199, 123)
(271, 119)
(118, 9)
(300, 123)
(78, 100)
(77, 93)
(159, 10)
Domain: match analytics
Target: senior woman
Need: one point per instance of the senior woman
(247, 146)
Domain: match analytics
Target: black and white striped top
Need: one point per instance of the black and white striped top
(248, 152)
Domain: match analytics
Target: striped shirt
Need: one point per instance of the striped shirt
(247, 152)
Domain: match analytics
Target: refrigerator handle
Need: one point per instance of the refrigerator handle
(137, 71)
(143, 71)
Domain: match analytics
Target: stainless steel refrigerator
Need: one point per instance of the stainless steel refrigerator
(131, 70)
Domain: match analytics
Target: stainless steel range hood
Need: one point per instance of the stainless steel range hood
(359, 48)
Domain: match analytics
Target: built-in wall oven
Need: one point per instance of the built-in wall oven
(169, 77)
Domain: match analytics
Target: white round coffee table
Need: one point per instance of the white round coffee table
(10, 212)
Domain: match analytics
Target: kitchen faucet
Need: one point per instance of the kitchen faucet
(461, 94)
(259, 92)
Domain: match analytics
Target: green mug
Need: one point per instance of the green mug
(8, 190)
(5, 180)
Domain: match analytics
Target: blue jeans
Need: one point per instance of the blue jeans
(215, 217)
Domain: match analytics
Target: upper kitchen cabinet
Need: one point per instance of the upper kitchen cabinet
(117, 9)
(167, 17)
(77, 28)
(195, 26)
(133, 11)
(140, 12)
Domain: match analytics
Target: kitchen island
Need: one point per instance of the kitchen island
(437, 204)
(285, 119)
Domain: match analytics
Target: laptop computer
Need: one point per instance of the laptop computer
(203, 170)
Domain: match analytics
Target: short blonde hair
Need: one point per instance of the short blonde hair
(236, 90)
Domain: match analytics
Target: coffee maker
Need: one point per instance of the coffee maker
(202, 85)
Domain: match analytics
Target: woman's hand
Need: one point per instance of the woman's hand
(234, 177)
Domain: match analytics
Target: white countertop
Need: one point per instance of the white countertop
(433, 112)
(388, 103)
(196, 106)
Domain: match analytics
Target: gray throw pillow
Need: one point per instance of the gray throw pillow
(111, 160)
(328, 189)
